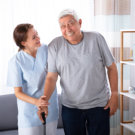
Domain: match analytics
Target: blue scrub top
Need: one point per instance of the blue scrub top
(29, 73)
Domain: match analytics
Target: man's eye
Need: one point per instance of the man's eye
(70, 23)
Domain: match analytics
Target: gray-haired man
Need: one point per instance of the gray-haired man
(81, 59)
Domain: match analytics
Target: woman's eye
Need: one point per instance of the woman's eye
(63, 26)
(34, 37)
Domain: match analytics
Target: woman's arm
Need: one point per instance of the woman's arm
(22, 96)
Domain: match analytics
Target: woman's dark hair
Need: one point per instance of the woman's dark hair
(20, 34)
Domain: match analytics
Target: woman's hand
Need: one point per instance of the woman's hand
(42, 105)
(41, 102)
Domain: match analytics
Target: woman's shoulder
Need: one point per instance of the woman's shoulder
(14, 60)
(43, 48)
(20, 58)
(15, 57)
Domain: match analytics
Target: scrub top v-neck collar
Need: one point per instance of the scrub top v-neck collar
(33, 59)
(30, 56)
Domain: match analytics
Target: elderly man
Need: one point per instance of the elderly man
(81, 59)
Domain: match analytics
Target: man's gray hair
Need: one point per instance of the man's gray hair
(68, 12)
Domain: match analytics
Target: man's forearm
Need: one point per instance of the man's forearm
(50, 85)
(113, 79)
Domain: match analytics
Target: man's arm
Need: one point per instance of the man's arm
(50, 84)
(113, 79)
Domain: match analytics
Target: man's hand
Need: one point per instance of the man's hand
(112, 103)
(42, 105)
(45, 109)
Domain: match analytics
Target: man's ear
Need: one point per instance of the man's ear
(80, 22)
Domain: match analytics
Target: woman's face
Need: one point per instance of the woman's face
(33, 40)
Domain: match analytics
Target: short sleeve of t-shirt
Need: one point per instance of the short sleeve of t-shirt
(105, 51)
(52, 57)
(14, 77)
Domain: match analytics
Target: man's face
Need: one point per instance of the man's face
(70, 29)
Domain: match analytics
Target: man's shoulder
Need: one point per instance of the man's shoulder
(92, 33)
(56, 41)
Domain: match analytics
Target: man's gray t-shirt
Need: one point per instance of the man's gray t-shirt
(82, 70)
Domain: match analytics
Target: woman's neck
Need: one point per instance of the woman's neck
(31, 52)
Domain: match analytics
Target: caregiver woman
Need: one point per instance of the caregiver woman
(27, 73)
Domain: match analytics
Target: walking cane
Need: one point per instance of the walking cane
(44, 123)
